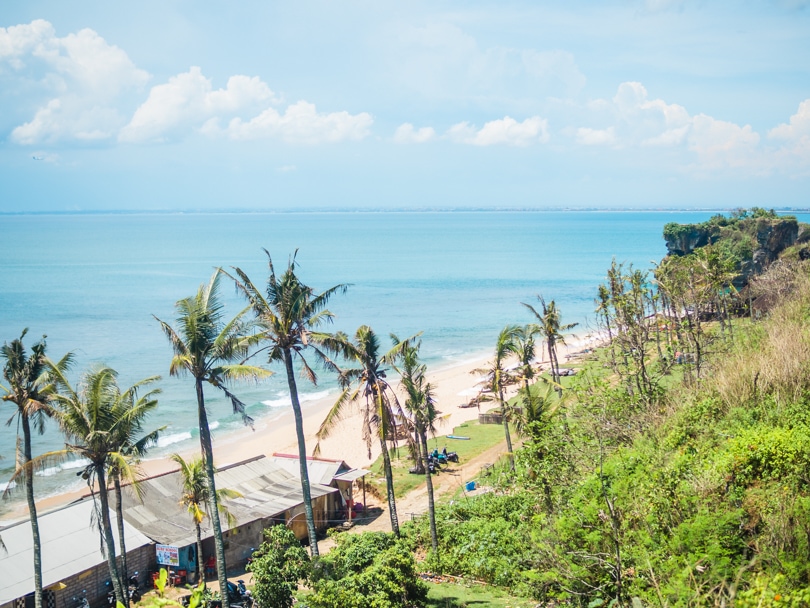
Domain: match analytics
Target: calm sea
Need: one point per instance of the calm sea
(92, 283)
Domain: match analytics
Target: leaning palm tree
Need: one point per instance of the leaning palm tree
(382, 413)
(421, 405)
(498, 378)
(196, 497)
(213, 350)
(289, 314)
(90, 419)
(29, 390)
(552, 330)
(132, 448)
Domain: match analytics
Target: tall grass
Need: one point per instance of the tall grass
(774, 358)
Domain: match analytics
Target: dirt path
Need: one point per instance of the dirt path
(448, 481)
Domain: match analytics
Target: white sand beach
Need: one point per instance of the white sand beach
(454, 385)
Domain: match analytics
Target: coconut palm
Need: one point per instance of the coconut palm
(552, 330)
(132, 448)
(212, 350)
(289, 313)
(421, 405)
(498, 378)
(29, 390)
(382, 413)
(91, 418)
(196, 497)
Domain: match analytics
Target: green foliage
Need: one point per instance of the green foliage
(277, 567)
(768, 592)
(159, 601)
(369, 570)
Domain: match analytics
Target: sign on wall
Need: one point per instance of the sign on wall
(167, 555)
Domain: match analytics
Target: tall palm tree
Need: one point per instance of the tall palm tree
(498, 379)
(213, 350)
(29, 390)
(382, 413)
(132, 448)
(90, 418)
(289, 313)
(196, 497)
(421, 405)
(552, 330)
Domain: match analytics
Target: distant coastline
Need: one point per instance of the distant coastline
(373, 210)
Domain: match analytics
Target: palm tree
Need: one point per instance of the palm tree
(29, 390)
(91, 419)
(196, 498)
(132, 449)
(552, 330)
(421, 405)
(289, 314)
(206, 347)
(382, 412)
(498, 378)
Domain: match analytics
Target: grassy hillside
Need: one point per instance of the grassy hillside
(693, 494)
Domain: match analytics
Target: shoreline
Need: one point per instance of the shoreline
(454, 384)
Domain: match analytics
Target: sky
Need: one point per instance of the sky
(255, 105)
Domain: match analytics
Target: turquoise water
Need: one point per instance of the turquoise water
(93, 282)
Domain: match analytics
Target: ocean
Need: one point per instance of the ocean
(92, 283)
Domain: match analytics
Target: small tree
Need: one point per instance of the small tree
(277, 567)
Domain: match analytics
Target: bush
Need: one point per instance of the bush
(277, 567)
(370, 570)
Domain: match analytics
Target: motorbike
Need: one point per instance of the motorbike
(81, 602)
(133, 588)
(238, 596)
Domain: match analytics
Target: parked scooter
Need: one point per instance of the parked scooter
(133, 588)
(81, 602)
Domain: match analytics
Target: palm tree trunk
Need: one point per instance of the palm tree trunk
(302, 454)
(208, 461)
(434, 537)
(32, 510)
(119, 512)
(389, 484)
(506, 433)
(106, 528)
(200, 575)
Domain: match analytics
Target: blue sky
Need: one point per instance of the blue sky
(164, 104)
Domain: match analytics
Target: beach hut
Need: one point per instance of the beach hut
(333, 473)
(270, 495)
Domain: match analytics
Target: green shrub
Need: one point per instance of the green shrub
(277, 567)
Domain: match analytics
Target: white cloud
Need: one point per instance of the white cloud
(794, 140)
(188, 103)
(407, 134)
(81, 76)
(188, 100)
(300, 123)
(720, 144)
(596, 137)
(505, 131)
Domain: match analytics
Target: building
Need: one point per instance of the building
(269, 495)
(73, 564)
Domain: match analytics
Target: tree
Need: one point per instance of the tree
(289, 313)
(277, 567)
(382, 413)
(132, 449)
(90, 419)
(552, 330)
(498, 378)
(196, 497)
(29, 390)
(421, 405)
(212, 350)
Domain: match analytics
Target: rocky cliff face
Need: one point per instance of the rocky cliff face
(769, 237)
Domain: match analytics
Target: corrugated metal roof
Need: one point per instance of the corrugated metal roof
(320, 471)
(267, 490)
(70, 545)
(352, 475)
